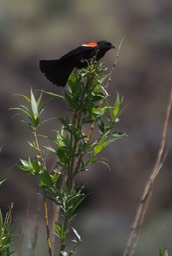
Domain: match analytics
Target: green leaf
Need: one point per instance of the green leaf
(59, 141)
(100, 144)
(39, 101)
(117, 105)
(35, 166)
(79, 239)
(65, 121)
(32, 144)
(2, 181)
(118, 135)
(54, 94)
(45, 179)
(29, 166)
(5, 234)
(163, 252)
(63, 253)
(23, 96)
(59, 181)
(34, 105)
(75, 202)
(26, 165)
(24, 111)
(59, 230)
(104, 141)
(166, 252)
(50, 149)
(98, 111)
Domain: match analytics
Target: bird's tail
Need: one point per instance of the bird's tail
(56, 71)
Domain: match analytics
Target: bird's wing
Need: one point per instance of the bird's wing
(56, 71)
(78, 52)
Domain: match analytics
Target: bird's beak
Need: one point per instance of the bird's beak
(113, 46)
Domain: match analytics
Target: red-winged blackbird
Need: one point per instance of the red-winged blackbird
(58, 71)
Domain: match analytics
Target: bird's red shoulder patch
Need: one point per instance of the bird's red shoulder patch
(90, 44)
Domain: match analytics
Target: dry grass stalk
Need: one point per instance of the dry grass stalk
(147, 192)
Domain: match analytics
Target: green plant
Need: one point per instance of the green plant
(87, 128)
(163, 252)
(5, 228)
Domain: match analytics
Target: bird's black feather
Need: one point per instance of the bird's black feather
(58, 71)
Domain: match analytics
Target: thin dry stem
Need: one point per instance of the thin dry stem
(147, 192)
(9, 216)
(90, 132)
(47, 226)
(114, 62)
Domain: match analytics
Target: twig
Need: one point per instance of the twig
(147, 192)
(47, 225)
(108, 82)
(114, 62)
(9, 216)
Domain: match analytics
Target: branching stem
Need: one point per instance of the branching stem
(147, 192)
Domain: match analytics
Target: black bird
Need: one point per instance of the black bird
(58, 71)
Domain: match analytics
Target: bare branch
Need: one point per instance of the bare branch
(147, 192)
(115, 62)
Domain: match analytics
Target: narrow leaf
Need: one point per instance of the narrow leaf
(79, 239)
(34, 105)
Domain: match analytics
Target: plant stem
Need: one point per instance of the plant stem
(63, 242)
(147, 192)
(38, 148)
(72, 169)
(47, 225)
(42, 166)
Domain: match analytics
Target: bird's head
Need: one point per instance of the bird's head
(105, 45)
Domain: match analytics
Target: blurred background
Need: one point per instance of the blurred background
(33, 30)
